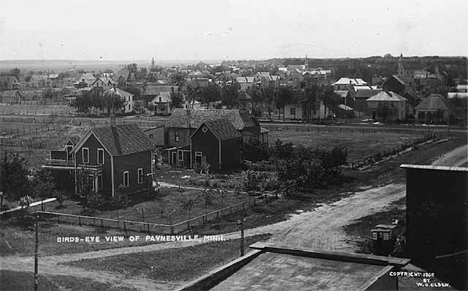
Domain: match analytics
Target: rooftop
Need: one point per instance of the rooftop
(388, 96)
(193, 118)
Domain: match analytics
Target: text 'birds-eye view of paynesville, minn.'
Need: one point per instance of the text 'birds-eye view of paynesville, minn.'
(191, 162)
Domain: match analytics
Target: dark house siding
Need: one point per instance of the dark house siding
(184, 135)
(132, 163)
(436, 207)
(208, 144)
(437, 222)
(393, 85)
(93, 144)
(230, 154)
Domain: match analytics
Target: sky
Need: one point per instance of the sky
(230, 29)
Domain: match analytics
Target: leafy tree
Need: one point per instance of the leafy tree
(15, 72)
(208, 196)
(188, 205)
(210, 93)
(176, 99)
(13, 176)
(84, 187)
(255, 151)
(43, 184)
(230, 95)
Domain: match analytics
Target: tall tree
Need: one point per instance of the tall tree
(14, 181)
(230, 95)
(176, 98)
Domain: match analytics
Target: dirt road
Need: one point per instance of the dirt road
(321, 228)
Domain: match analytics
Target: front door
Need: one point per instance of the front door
(174, 158)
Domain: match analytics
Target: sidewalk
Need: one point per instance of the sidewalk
(30, 205)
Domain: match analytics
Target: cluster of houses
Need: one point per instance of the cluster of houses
(122, 157)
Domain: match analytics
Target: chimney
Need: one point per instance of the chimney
(112, 110)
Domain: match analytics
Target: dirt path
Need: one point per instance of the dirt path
(321, 228)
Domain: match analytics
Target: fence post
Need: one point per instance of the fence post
(148, 228)
(102, 223)
(79, 220)
(125, 226)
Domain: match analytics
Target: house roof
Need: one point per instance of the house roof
(165, 97)
(352, 81)
(192, 118)
(366, 93)
(264, 74)
(388, 96)
(122, 93)
(398, 79)
(120, 140)
(342, 93)
(434, 102)
(155, 90)
(222, 129)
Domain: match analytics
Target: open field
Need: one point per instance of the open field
(359, 144)
(36, 109)
(174, 264)
(17, 240)
(19, 281)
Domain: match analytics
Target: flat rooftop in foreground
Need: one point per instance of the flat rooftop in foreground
(273, 271)
(271, 267)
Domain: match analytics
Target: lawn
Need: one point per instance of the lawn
(359, 144)
(173, 264)
(164, 209)
(36, 109)
(17, 240)
(19, 281)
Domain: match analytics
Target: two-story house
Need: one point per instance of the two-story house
(183, 123)
(114, 156)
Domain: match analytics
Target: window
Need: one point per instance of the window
(100, 156)
(176, 134)
(198, 157)
(126, 179)
(386, 236)
(204, 129)
(293, 111)
(151, 136)
(140, 175)
(99, 182)
(85, 155)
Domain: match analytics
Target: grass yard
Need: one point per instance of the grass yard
(157, 210)
(19, 281)
(15, 240)
(173, 264)
(359, 144)
(36, 109)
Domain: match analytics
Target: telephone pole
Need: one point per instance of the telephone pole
(36, 246)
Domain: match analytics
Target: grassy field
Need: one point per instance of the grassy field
(157, 210)
(174, 264)
(36, 109)
(19, 281)
(16, 240)
(359, 144)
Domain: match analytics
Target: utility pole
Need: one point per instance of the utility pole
(36, 246)
(241, 224)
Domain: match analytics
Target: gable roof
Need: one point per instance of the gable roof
(185, 118)
(9, 79)
(120, 140)
(222, 129)
(434, 102)
(348, 81)
(396, 78)
(366, 93)
(155, 90)
(388, 96)
(165, 97)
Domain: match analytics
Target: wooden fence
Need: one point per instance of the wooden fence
(383, 154)
(337, 128)
(149, 227)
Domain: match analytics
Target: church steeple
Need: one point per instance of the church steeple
(306, 62)
(401, 70)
